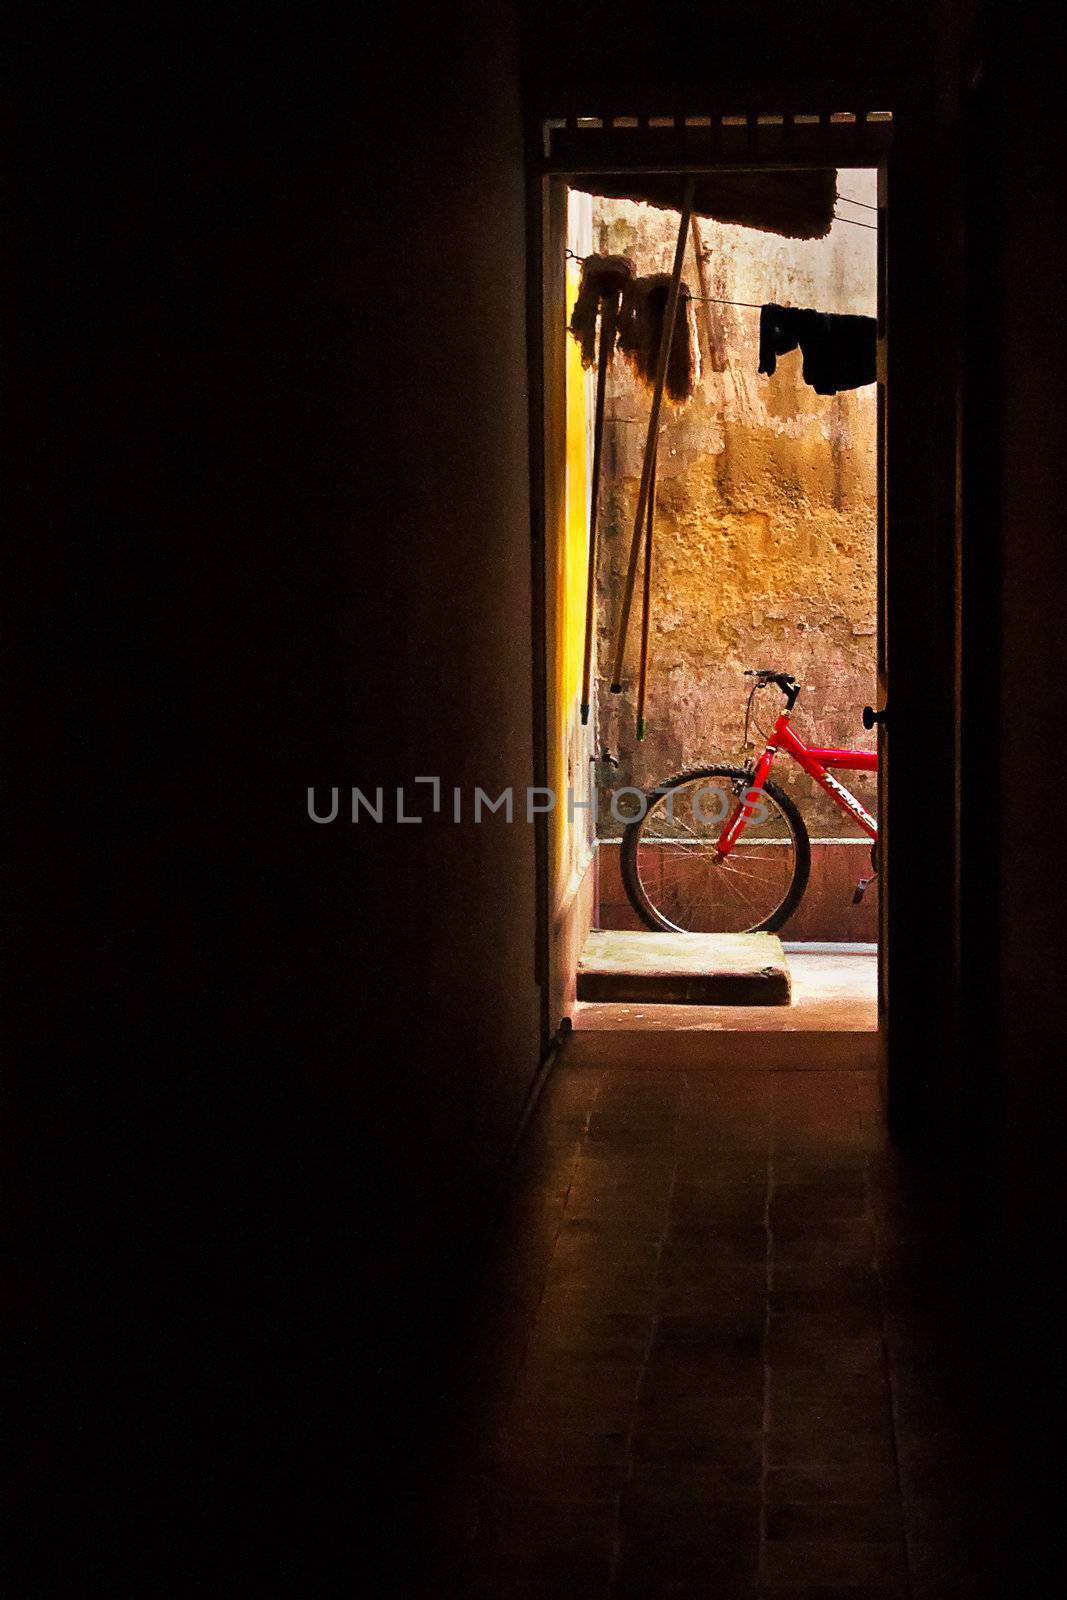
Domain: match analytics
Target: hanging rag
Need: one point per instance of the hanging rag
(644, 306)
(839, 352)
(603, 278)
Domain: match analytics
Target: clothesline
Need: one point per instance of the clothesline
(711, 299)
(704, 299)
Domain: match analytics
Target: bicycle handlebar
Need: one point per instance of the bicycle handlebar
(785, 681)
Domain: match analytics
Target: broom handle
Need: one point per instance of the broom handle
(646, 598)
(653, 428)
(705, 290)
(609, 315)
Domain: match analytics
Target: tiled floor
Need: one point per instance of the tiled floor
(716, 1356)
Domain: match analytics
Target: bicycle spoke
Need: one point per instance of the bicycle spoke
(729, 865)
(739, 892)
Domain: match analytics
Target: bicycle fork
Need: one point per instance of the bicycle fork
(746, 805)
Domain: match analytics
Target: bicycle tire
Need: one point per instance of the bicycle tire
(651, 915)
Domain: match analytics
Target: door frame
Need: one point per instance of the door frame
(919, 532)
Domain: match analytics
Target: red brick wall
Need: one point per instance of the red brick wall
(825, 913)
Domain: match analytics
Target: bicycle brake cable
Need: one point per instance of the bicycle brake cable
(748, 716)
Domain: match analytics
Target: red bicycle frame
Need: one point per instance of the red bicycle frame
(815, 761)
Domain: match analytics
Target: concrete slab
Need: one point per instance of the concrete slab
(831, 1024)
(834, 989)
(718, 969)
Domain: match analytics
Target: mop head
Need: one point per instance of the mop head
(641, 329)
(603, 277)
(797, 205)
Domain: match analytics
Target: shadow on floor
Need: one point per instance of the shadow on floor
(718, 1352)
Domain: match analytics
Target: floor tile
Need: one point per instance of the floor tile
(832, 1563)
(724, 1368)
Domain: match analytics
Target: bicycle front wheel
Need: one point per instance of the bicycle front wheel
(677, 881)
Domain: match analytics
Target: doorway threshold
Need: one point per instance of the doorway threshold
(831, 1023)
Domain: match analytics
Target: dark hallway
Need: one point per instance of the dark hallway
(721, 1353)
(328, 1272)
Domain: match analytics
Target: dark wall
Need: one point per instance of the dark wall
(1033, 583)
(733, 45)
(1020, 535)
(270, 465)
(273, 467)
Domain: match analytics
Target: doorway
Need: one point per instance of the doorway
(769, 554)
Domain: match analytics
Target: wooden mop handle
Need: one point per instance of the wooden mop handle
(609, 316)
(705, 296)
(653, 428)
(646, 597)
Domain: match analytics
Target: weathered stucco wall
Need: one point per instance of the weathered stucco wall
(765, 530)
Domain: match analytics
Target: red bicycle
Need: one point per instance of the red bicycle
(723, 849)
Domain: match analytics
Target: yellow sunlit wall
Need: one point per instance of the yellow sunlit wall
(578, 474)
(572, 744)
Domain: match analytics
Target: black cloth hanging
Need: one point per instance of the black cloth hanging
(839, 352)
